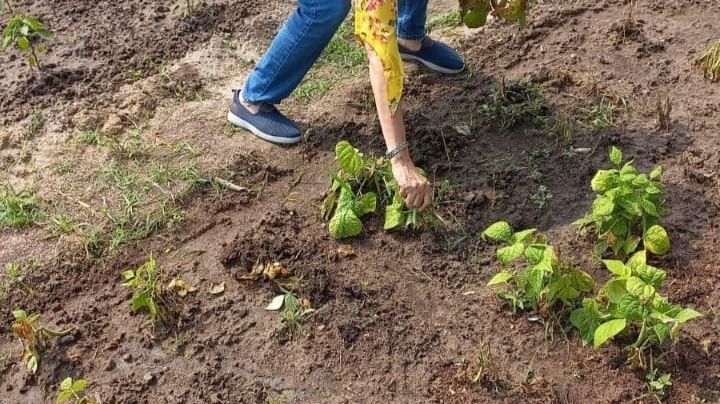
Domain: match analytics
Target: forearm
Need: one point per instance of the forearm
(392, 124)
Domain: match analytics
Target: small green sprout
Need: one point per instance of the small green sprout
(27, 34)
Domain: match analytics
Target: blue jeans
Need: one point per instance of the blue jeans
(303, 38)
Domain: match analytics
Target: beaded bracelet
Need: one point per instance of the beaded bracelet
(397, 150)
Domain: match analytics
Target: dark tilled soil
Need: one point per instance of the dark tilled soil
(405, 319)
(99, 45)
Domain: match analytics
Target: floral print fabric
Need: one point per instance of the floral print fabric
(376, 25)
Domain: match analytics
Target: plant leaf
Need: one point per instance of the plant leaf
(608, 330)
(500, 231)
(79, 385)
(349, 158)
(603, 180)
(617, 267)
(365, 204)
(509, 254)
(656, 240)
(616, 155)
(63, 397)
(686, 315)
(500, 277)
(394, 214)
(522, 235)
(276, 303)
(615, 290)
(66, 384)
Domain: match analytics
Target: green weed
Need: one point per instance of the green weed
(90, 138)
(312, 88)
(343, 51)
(542, 196)
(513, 104)
(602, 115)
(445, 20)
(18, 209)
(37, 121)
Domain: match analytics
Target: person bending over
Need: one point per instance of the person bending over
(391, 31)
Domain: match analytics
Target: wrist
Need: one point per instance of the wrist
(401, 159)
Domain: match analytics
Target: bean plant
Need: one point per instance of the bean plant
(72, 391)
(361, 185)
(627, 209)
(27, 34)
(150, 295)
(543, 282)
(630, 303)
(34, 337)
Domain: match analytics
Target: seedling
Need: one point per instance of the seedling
(71, 391)
(35, 338)
(26, 34)
(293, 312)
(657, 384)
(361, 184)
(18, 209)
(602, 115)
(710, 62)
(627, 209)
(630, 303)
(542, 197)
(160, 302)
(543, 283)
(16, 277)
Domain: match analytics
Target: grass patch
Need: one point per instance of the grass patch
(602, 115)
(37, 121)
(18, 209)
(445, 20)
(515, 103)
(90, 138)
(344, 51)
(710, 62)
(313, 88)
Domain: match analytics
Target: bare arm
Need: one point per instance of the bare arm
(414, 187)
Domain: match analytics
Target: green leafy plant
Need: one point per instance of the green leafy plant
(627, 209)
(542, 282)
(657, 384)
(150, 295)
(474, 13)
(18, 209)
(359, 187)
(35, 338)
(71, 391)
(710, 62)
(630, 303)
(27, 34)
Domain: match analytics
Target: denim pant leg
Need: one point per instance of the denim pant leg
(294, 50)
(411, 19)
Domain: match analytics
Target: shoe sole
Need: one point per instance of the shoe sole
(432, 66)
(239, 122)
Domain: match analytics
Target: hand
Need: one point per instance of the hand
(415, 189)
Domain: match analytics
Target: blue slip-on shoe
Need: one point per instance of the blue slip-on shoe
(268, 124)
(436, 56)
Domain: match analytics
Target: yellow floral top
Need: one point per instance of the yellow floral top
(375, 25)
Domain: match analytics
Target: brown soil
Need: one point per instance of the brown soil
(405, 317)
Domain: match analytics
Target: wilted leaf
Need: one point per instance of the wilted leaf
(276, 303)
(217, 289)
(346, 250)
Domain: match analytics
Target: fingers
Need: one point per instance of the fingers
(428, 198)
